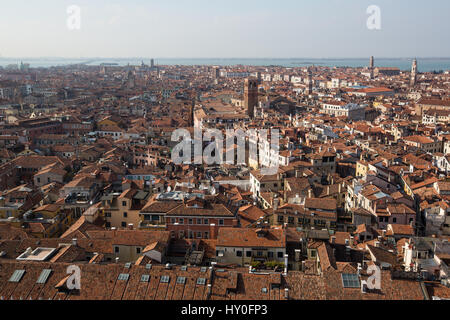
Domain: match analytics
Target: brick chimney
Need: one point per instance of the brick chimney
(213, 232)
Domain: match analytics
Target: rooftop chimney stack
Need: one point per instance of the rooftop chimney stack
(74, 242)
(286, 264)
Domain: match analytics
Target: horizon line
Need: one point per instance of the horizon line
(228, 58)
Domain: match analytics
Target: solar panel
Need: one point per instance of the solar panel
(350, 280)
(123, 276)
(183, 268)
(128, 265)
(181, 280)
(145, 278)
(17, 276)
(148, 266)
(203, 269)
(44, 276)
(165, 279)
(201, 281)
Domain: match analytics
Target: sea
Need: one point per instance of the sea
(424, 64)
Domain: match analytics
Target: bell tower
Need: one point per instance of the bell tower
(413, 79)
(251, 96)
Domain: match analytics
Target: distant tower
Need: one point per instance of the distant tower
(413, 79)
(216, 72)
(131, 80)
(310, 83)
(251, 96)
(152, 63)
(371, 67)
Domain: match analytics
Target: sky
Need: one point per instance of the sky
(224, 29)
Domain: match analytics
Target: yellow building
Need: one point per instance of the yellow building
(362, 168)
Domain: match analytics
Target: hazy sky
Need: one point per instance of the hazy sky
(225, 28)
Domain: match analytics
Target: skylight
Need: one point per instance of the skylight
(350, 280)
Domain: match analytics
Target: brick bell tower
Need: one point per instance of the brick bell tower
(251, 96)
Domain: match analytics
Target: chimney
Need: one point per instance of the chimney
(286, 293)
(74, 242)
(303, 266)
(117, 259)
(328, 190)
(297, 255)
(310, 193)
(286, 264)
(340, 187)
(209, 290)
(275, 204)
(130, 226)
(377, 244)
(333, 239)
(213, 231)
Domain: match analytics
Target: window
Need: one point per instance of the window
(181, 221)
(123, 276)
(191, 221)
(165, 279)
(199, 221)
(17, 276)
(125, 215)
(259, 253)
(239, 253)
(280, 254)
(221, 222)
(199, 235)
(116, 249)
(173, 220)
(206, 235)
(138, 250)
(270, 254)
(145, 278)
(181, 280)
(394, 220)
(206, 221)
(124, 203)
(350, 280)
(124, 224)
(248, 254)
(201, 281)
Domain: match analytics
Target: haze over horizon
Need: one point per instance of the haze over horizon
(204, 29)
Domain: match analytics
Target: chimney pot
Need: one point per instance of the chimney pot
(74, 242)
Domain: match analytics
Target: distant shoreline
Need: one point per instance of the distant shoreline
(404, 64)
